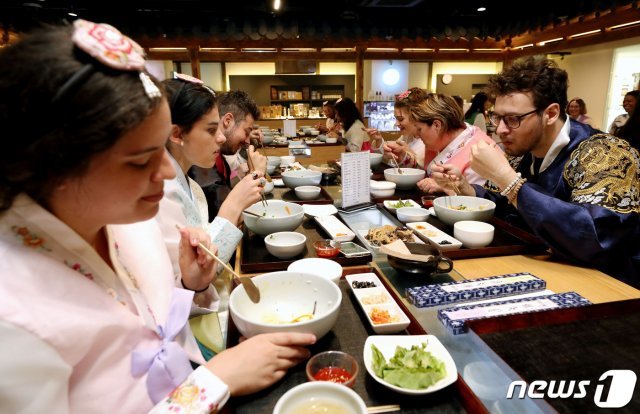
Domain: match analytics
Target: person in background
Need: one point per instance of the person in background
(629, 104)
(447, 140)
(195, 140)
(105, 327)
(476, 113)
(459, 101)
(329, 110)
(408, 149)
(238, 113)
(577, 110)
(630, 131)
(576, 188)
(349, 117)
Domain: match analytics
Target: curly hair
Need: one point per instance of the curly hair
(50, 142)
(239, 104)
(188, 102)
(581, 104)
(441, 107)
(542, 77)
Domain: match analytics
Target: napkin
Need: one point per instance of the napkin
(399, 249)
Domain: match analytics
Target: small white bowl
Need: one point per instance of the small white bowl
(375, 158)
(407, 179)
(322, 267)
(307, 192)
(379, 189)
(271, 168)
(268, 187)
(273, 160)
(315, 132)
(277, 216)
(296, 178)
(333, 397)
(330, 140)
(285, 244)
(473, 234)
(287, 160)
(412, 214)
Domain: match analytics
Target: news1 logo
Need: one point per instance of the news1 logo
(622, 383)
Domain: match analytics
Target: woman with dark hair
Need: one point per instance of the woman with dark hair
(475, 115)
(91, 319)
(577, 110)
(349, 117)
(329, 111)
(631, 130)
(196, 139)
(629, 104)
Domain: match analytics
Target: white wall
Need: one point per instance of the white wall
(419, 74)
(467, 68)
(211, 75)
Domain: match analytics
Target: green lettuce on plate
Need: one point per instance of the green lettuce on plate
(413, 368)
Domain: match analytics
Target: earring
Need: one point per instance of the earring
(182, 143)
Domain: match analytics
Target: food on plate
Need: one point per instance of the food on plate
(414, 368)
(462, 207)
(388, 234)
(400, 204)
(288, 210)
(320, 406)
(445, 242)
(379, 316)
(375, 299)
(362, 285)
(275, 319)
(332, 374)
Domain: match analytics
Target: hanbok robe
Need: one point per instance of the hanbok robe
(357, 139)
(75, 331)
(584, 201)
(184, 204)
(457, 153)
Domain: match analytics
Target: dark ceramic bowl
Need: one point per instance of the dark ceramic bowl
(438, 264)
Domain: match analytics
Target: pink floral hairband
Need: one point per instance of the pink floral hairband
(191, 79)
(108, 46)
(405, 94)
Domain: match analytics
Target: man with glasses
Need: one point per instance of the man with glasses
(238, 112)
(576, 188)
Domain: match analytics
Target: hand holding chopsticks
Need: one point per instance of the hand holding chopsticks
(249, 286)
(252, 169)
(383, 409)
(375, 134)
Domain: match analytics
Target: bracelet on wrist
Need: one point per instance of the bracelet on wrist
(512, 196)
(196, 291)
(511, 185)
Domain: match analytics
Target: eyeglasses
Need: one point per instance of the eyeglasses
(511, 121)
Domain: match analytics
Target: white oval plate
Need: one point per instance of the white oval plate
(318, 210)
(387, 345)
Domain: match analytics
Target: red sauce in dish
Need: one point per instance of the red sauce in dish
(327, 251)
(333, 374)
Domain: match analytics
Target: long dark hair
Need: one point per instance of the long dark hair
(477, 104)
(47, 143)
(188, 102)
(348, 112)
(631, 129)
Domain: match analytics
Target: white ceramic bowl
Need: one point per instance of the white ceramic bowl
(473, 234)
(375, 158)
(315, 132)
(330, 140)
(268, 187)
(296, 178)
(307, 192)
(273, 160)
(287, 160)
(285, 244)
(285, 296)
(334, 397)
(277, 216)
(322, 137)
(476, 208)
(322, 267)
(380, 189)
(407, 180)
(267, 138)
(271, 168)
(412, 214)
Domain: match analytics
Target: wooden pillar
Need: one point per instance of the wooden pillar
(223, 75)
(194, 56)
(360, 78)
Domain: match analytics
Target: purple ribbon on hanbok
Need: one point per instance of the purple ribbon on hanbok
(167, 366)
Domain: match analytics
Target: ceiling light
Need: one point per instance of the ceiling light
(381, 49)
(591, 32)
(453, 50)
(167, 49)
(338, 49)
(482, 8)
(414, 49)
(624, 25)
(524, 46)
(258, 49)
(557, 39)
(299, 49)
(276, 4)
(72, 14)
(217, 49)
(487, 50)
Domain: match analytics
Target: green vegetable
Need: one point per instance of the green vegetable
(413, 368)
(401, 204)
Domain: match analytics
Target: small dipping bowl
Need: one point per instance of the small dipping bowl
(333, 366)
(326, 248)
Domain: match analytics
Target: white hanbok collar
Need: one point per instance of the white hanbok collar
(561, 141)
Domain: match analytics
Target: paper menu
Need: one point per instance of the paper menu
(356, 173)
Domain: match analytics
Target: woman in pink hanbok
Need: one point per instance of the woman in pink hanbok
(91, 317)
